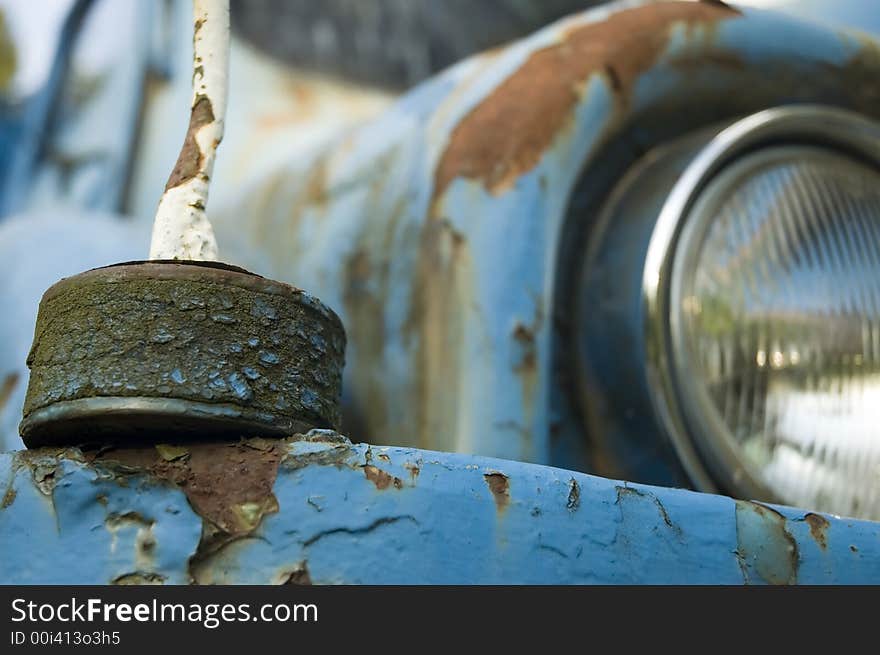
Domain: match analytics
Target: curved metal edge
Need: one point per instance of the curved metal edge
(615, 252)
(138, 417)
(361, 514)
(807, 125)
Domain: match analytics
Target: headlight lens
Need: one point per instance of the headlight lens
(775, 326)
(729, 313)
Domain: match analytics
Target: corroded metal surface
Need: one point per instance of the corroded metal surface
(318, 509)
(169, 346)
(447, 231)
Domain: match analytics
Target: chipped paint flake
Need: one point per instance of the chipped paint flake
(380, 478)
(297, 575)
(228, 484)
(766, 550)
(574, 495)
(499, 485)
(818, 528)
(331, 526)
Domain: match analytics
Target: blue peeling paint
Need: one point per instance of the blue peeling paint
(418, 517)
(88, 527)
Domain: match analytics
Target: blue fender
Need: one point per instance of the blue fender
(318, 509)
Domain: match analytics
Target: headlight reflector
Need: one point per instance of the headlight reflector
(729, 313)
(775, 325)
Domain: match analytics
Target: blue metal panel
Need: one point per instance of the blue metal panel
(343, 513)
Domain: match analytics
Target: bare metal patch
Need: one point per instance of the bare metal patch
(509, 131)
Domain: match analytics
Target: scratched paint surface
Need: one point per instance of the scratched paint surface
(317, 509)
(440, 231)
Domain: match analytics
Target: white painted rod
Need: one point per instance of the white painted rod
(181, 229)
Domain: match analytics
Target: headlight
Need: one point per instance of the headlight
(757, 313)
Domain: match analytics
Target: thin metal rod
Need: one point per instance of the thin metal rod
(181, 229)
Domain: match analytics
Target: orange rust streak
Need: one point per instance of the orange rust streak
(499, 485)
(509, 131)
(189, 162)
(380, 478)
(413, 473)
(818, 525)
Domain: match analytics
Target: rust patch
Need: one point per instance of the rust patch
(190, 160)
(414, 471)
(532, 105)
(299, 575)
(7, 386)
(499, 485)
(380, 478)
(818, 525)
(228, 484)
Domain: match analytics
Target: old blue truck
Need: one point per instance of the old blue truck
(611, 299)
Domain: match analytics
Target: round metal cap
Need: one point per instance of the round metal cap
(164, 349)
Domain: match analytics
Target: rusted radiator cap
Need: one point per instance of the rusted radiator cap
(163, 349)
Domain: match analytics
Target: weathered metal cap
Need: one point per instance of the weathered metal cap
(146, 350)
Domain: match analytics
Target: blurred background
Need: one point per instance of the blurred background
(91, 90)
(94, 98)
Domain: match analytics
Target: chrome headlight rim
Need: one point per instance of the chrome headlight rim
(708, 459)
